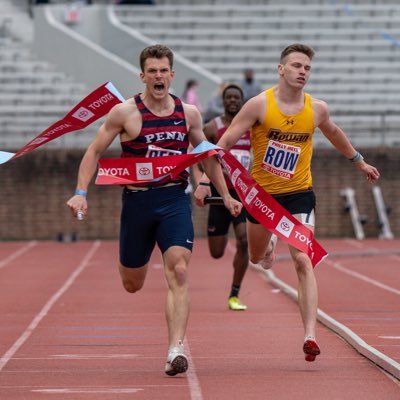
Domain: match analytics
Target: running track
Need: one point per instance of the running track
(69, 331)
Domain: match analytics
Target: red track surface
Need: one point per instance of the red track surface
(69, 331)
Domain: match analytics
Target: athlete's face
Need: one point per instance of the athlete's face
(232, 101)
(157, 76)
(296, 69)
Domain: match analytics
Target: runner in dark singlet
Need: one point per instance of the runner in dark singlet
(155, 123)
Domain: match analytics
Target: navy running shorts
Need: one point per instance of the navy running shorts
(295, 203)
(219, 217)
(162, 215)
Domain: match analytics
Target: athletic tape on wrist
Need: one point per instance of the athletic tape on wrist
(357, 158)
(80, 192)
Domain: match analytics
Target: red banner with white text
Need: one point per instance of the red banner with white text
(263, 207)
(122, 171)
(92, 107)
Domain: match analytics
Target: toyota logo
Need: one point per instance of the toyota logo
(285, 226)
(144, 171)
(83, 114)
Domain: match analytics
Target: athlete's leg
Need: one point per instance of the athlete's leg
(307, 290)
(176, 261)
(137, 238)
(241, 258)
(258, 238)
(217, 245)
(133, 278)
(307, 300)
(219, 220)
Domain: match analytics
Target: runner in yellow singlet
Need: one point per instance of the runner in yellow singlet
(282, 120)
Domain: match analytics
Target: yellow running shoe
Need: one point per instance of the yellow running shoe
(235, 304)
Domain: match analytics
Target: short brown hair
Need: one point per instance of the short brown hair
(156, 51)
(297, 48)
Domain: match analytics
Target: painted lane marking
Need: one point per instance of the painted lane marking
(18, 253)
(92, 356)
(389, 337)
(362, 277)
(88, 390)
(44, 311)
(385, 362)
(193, 381)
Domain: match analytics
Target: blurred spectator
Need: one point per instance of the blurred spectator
(215, 105)
(251, 87)
(190, 94)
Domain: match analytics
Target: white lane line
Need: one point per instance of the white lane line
(18, 253)
(43, 312)
(362, 277)
(88, 390)
(389, 337)
(385, 362)
(93, 356)
(193, 381)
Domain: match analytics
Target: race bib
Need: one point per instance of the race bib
(243, 156)
(281, 159)
(155, 151)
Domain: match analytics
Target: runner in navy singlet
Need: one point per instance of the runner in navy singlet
(153, 124)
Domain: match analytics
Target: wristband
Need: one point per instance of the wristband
(80, 192)
(204, 184)
(357, 158)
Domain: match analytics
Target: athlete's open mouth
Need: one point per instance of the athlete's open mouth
(159, 87)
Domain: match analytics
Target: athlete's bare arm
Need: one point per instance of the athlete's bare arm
(339, 139)
(210, 165)
(210, 131)
(251, 113)
(121, 118)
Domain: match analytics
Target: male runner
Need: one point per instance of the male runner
(155, 213)
(282, 120)
(219, 220)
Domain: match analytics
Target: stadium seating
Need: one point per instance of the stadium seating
(357, 60)
(355, 70)
(33, 95)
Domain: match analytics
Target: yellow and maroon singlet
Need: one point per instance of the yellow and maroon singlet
(282, 148)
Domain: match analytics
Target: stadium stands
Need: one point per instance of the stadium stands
(33, 95)
(355, 70)
(357, 61)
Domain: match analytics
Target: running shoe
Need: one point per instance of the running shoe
(177, 362)
(310, 348)
(235, 304)
(269, 258)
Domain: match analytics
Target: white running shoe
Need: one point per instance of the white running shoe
(177, 362)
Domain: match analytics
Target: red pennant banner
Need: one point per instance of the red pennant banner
(263, 207)
(95, 105)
